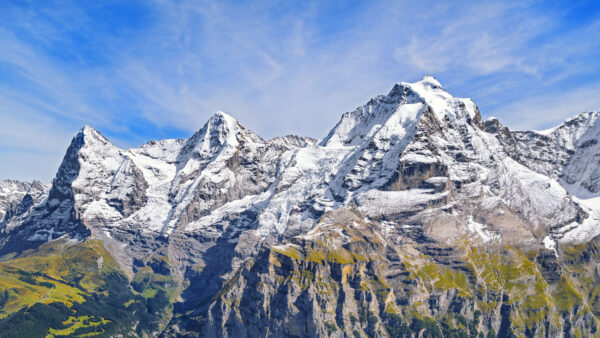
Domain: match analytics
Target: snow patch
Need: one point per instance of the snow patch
(550, 244)
(589, 228)
(479, 229)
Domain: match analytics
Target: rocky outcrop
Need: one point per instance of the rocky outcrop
(344, 278)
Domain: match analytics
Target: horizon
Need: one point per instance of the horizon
(154, 70)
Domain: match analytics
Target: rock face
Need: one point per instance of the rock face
(11, 193)
(411, 217)
(16, 197)
(351, 278)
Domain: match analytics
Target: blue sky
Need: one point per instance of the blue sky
(142, 70)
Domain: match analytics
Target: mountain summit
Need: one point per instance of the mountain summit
(412, 216)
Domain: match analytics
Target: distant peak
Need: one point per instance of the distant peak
(220, 129)
(221, 115)
(431, 80)
(427, 85)
(87, 133)
(585, 116)
(87, 129)
(221, 120)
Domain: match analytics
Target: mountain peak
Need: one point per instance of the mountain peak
(222, 114)
(424, 88)
(88, 130)
(9, 186)
(587, 117)
(89, 135)
(431, 80)
(222, 118)
(221, 123)
(219, 130)
(403, 105)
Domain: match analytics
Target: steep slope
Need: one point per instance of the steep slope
(565, 152)
(568, 153)
(430, 178)
(348, 277)
(419, 164)
(418, 158)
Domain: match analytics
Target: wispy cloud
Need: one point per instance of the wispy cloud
(156, 69)
(548, 110)
(481, 39)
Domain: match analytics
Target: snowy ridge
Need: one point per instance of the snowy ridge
(402, 103)
(417, 160)
(13, 186)
(12, 193)
(159, 187)
(564, 152)
(569, 154)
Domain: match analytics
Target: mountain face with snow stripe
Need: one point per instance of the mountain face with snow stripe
(414, 156)
(568, 153)
(417, 167)
(156, 189)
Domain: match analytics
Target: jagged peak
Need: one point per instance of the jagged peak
(88, 130)
(583, 117)
(89, 135)
(428, 92)
(221, 122)
(220, 130)
(427, 89)
(10, 185)
(224, 121)
(431, 80)
(584, 120)
(223, 115)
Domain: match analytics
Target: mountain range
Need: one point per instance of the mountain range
(412, 217)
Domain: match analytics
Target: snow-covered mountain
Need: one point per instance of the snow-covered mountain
(16, 195)
(417, 159)
(11, 192)
(417, 162)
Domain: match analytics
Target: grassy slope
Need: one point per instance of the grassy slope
(76, 288)
(59, 271)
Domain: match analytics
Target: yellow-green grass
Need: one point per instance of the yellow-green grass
(74, 324)
(20, 294)
(58, 271)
